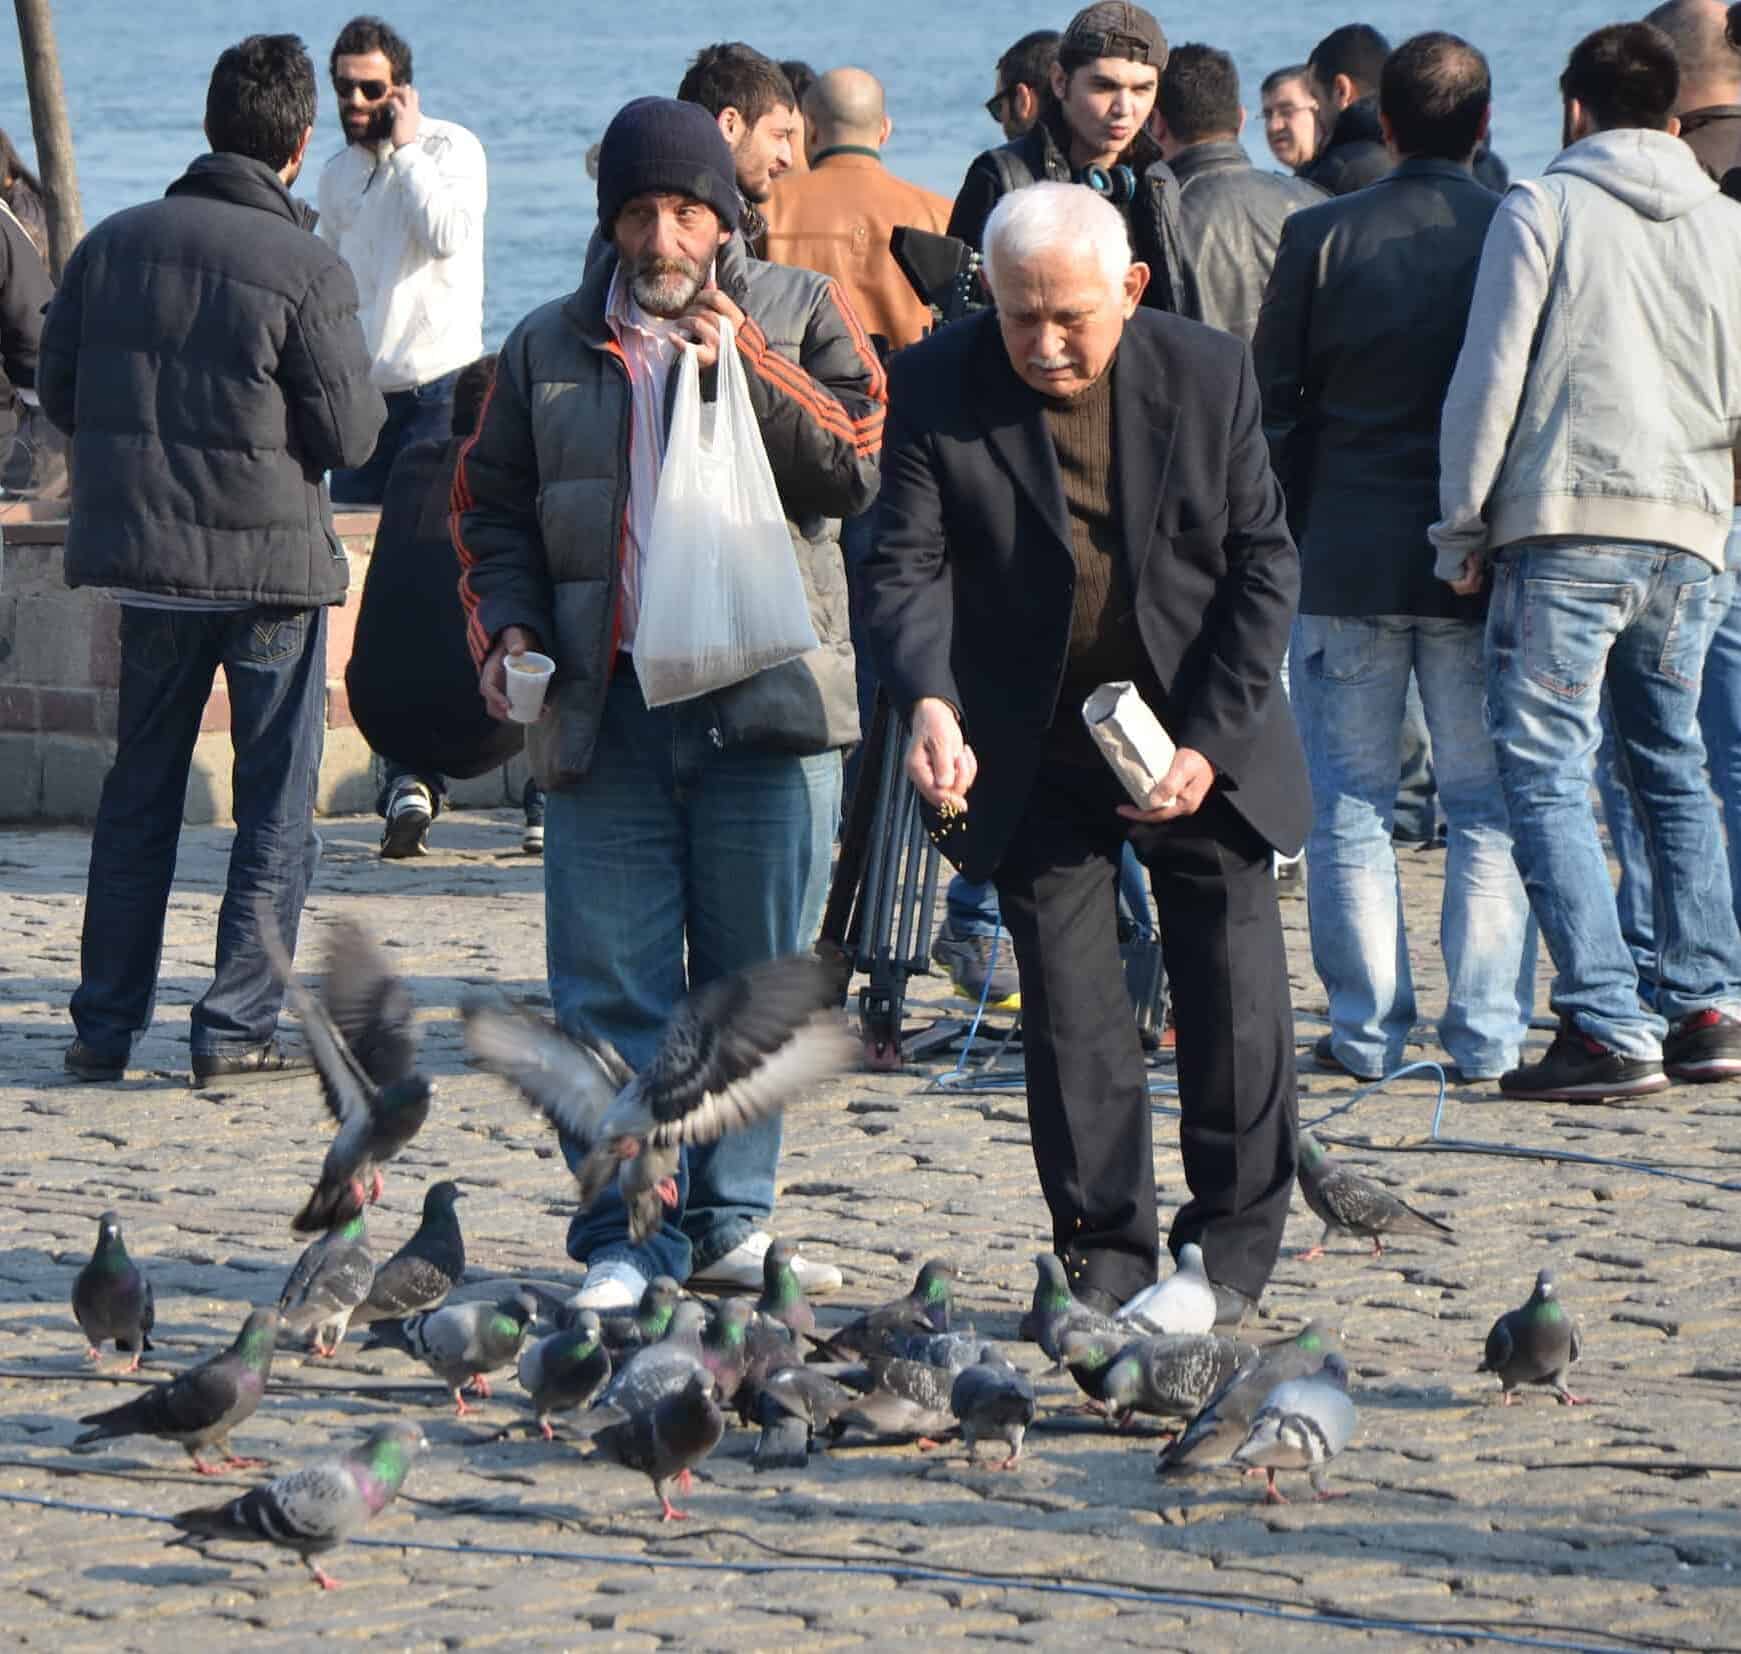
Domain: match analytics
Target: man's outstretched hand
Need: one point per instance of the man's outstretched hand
(940, 763)
(1178, 793)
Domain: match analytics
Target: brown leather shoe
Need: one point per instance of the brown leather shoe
(269, 1058)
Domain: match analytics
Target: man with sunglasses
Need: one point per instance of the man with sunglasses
(1024, 75)
(403, 202)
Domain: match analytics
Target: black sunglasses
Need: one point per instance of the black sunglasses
(373, 90)
(994, 106)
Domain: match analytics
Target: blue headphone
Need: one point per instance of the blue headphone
(1117, 184)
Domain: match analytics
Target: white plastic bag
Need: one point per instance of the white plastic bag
(721, 595)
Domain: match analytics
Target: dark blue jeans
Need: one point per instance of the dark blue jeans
(274, 663)
(417, 415)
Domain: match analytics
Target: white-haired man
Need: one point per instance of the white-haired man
(1076, 490)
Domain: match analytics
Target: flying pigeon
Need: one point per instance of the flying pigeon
(1183, 1303)
(1534, 1345)
(1302, 1425)
(425, 1269)
(1353, 1204)
(331, 1278)
(668, 1440)
(993, 1401)
(736, 1051)
(898, 1398)
(1172, 1375)
(112, 1297)
(461, 1343)
(565, 1371)
(360, 1035)
(1056, 1311)
(782, 1297)
(200, 1407)
(792, 1404)
(312, 1510)
(927, 1309)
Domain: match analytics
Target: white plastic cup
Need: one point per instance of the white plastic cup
(528, 677)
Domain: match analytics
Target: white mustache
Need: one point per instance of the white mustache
(1049, 364)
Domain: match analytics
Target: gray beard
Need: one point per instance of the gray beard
(667, 295)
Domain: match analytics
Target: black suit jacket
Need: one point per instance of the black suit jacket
(968, 589)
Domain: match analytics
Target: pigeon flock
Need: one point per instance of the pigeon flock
(653, 1388)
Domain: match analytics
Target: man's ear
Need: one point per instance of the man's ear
(1025, 101)
(1241, 127)
(883, 136)
(1136, 281)
(731, 125)
(1060, 82)
(1343, 92)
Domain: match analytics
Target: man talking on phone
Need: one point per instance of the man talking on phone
(686, 841)
(403, 203)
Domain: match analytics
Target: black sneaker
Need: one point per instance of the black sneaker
(1703, 1047)
(980, 965)
(410, 810)
(532, 802)
(88, 1063)
(1579, 1069)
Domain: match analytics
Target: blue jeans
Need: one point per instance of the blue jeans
(274, 663)
(1351, 683)
(674, 863)
(1568, 621)
(421, 414)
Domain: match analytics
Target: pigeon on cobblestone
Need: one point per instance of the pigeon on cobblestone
(1225, 1419)
(1088, 1358)
(1534, 1345)
(782, 1297)
(660, 1369)
(898, 1398)
(461, 1343)
(667, 1440)
(1171, 1376)
(1183, 1303)
(993, 1402)
(200, 1407)
(310, 1511)
(1353, 1204)
(1056, 1311)
(112, 1297)
(927, 1309)
(792, 1404)
(361, 1035)
(736, 1051)
(1302, 1425)
(331, 1278)
(565, 1371)
(425, 1269)
(725, 1346)
(647, 1323)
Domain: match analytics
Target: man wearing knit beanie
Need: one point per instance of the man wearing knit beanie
(682, 842)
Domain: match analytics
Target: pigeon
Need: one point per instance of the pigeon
(461, 1343)
(668, 1440)
(927, 1309)
(955, 1350)
(314, 1509)
(1534, 1345)
(200, 1407)
(660, 1369)
(992, 1400)
(725, 1346)
(330, 1280)
(112, 1297)
(733, 1053)
(792, 1404)
(1354, 1204)
(425, 1269)
(648, 1323)
(565, 1371)
(1172, 1375)
(782, 1297)
(1302, 1425)
(1088, 1357)
(1221, 1425)
(899, 1398)
(1183, 1303)
(361, 1038)
(1055, 1311)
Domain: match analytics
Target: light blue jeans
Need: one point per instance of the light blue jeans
(673, 863)
(1568, 621)
(1351, 686)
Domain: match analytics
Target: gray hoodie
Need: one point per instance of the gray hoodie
(1598, 393)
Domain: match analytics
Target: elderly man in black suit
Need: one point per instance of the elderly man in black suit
(1076, 491)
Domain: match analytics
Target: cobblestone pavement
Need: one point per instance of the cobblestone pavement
(1615, 1525)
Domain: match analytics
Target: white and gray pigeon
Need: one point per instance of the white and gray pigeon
(993, 1402)
(792, 1404)
(310, 1511)
(1302, 1425)
(329, 1281)
(112, 1297)
(667, 1440)
(462, 1344)
(1172, 1375)
(1535, 1344)
(1184, 1302)
(566, 1370)
(419, 1276)
(735, 1052)
(1351, 1203)
(1055, 1310)
(898, 1398)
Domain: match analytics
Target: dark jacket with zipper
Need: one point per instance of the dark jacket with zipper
(204, 355)
(24, 291)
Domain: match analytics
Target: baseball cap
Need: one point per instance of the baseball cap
(1113, 28)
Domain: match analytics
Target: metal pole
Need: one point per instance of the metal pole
(52, 130)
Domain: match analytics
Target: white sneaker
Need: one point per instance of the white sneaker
(740, 1269)
(614, 1284)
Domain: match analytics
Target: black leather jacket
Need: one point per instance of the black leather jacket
(1355, 153)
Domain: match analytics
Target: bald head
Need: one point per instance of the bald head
(845, 106)
(1710, 66)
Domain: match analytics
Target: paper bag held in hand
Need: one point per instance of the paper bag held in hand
(1131, 738)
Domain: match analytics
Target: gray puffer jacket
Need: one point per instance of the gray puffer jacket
(542, 491)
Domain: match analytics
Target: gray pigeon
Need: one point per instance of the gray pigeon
(362, 1038)
(736, 1051)
(792, 1404)
(1056, 1311)
(1184, 1302)
(1225, 1419)
(1171, 1376)
(565, 1371)
(1534, 1345)
(927, 1309)
(782, 1297)
(200, 1407)
(312, 1510)
(993, 1402)
(112, 1297)
(658, 1370)
(425, 1269)
(330, 1280)
(668, 1440)
(1353, 1204)
(461, 1343)
(1302, 1425)
(1088, 1358)
(899, 1398)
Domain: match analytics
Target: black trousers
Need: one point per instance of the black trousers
(1088, 1104)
